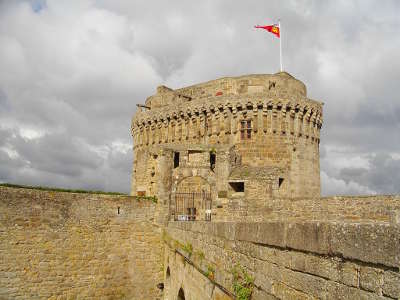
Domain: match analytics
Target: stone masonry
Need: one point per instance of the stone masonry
(239, 135)
(233, 168)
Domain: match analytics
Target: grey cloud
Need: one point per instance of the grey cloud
(383, 175)
(75, 71)
(57, 153)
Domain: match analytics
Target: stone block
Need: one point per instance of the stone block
(282, 291)
(246, 231)
(311, 285)
(371, 279)
(259, 294)
(375, 243)
(272, 233)
(312, 237)
(391, 284)
(349, 274)
(339, 291)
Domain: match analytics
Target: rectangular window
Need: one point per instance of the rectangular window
(176, 159)
(213, 158)
(245, 129)
(237, 187)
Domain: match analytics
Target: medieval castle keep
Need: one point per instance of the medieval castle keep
(225, 204)
(240, 140)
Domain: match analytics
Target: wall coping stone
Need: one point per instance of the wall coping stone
(377, 243)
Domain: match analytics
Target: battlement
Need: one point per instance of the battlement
(251, 123)
(281, 84)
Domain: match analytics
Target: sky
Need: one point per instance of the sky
(72, 72)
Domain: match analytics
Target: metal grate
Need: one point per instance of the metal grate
(185, 208)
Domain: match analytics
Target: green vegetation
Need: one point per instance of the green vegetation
(52, 189)
(147, 198)
(210, 273)
(200, 255)
(243, 283)
(188, 248)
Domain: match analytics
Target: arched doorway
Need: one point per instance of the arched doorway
(193, 199)
(181, 294)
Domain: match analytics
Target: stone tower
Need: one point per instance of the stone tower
(234, 142)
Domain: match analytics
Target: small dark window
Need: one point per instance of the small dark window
(176, 159)
(237, 186)
(245, 129)
(118, 210)
(181, 294)
(213, 158)
(281, 181)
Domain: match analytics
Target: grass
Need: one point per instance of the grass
(243, 283)
(44, 188)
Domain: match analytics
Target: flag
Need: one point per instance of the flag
(274, 29)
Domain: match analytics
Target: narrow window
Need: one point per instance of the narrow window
(181, 294)
(176, 159)
(118, 209)
(245, 129)
(213, 158)
(280, 182)
(237, 187)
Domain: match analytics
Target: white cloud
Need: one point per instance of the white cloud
(334, 186)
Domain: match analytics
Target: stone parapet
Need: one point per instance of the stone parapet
(338, 208)
(289, 260)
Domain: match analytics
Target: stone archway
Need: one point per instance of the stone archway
(193, 199)
(193, 184)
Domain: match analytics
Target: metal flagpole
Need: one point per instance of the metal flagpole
(280, 44)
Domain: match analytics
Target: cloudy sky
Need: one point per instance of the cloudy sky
(72, 72)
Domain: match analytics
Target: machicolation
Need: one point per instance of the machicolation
(231, 141)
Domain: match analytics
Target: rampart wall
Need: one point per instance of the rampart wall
(378, 208)
(284, 260)
(57, 245)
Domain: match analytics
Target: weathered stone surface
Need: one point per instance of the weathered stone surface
(77, 246)
(391, 284)
(298, 271)
(376, 243)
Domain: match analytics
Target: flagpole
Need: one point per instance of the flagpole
(280, 44)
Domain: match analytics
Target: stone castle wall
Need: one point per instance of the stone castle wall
(287, 260)
(378, 208)
(57, 245)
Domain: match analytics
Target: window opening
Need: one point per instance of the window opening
(181, 294)
(213, 158)
(176, 159)
(245, 129)
(237, 186)
(281, 182)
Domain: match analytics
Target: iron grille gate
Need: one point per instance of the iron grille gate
(189, 206)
